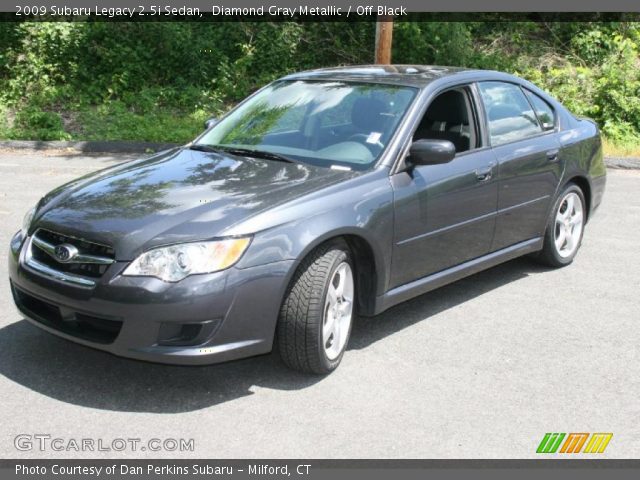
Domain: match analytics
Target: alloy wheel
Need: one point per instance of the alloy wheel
(338, 311)
(569, 224)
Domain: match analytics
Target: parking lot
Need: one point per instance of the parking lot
(482, 368)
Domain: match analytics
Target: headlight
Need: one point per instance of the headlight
(176, 262)
(26, 222)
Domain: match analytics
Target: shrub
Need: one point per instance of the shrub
(140, 74)
(34, 124)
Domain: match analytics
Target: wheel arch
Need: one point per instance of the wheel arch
(583, 183)
(368, 261)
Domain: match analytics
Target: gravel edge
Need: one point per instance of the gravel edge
(623, 163)
(87, 146)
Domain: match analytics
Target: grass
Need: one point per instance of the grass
(160, 125)
(109, 121)
(629, 148)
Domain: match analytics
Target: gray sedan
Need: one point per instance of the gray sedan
(324, 194)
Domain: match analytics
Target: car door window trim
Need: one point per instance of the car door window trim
(528, 92)
(556, 128)
(396, 166)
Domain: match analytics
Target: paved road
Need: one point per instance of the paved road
(481, 368)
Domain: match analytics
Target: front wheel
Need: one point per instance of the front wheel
(565, 228)
(317, 312)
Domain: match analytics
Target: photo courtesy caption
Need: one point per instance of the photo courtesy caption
(97, 471)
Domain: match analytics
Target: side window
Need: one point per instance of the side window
(509, 113)
(544, 111)
(449, 117)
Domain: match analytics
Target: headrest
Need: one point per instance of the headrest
(367, 114)
(448, 107)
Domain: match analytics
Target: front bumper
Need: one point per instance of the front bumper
(202, 319)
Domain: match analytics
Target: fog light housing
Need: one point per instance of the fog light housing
(186, 334)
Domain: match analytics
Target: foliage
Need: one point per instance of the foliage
(605, 85)
(33, 124)
(445, 43)
(114, 121)
(160, 80)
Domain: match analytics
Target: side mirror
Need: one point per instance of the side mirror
(431, 152)
(210, 123)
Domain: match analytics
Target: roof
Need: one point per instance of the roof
(411, 75)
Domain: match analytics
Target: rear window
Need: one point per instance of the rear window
(544, 111)
(509, 113)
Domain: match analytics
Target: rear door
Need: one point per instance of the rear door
(527, 149)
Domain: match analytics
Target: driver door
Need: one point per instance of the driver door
(445, 214)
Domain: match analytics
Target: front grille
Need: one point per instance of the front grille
(87, 327)
(86, 248)
(83, 245)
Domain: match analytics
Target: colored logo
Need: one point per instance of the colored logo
(574, 443)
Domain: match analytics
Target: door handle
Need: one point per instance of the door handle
(552, 155)
(485, 174)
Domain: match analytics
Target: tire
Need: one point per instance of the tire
(564, 231)
(314, 309)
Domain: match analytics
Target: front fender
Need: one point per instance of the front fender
(360, 207)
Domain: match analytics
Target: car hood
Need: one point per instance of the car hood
(178, 196)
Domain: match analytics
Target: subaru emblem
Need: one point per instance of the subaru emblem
(65, 253)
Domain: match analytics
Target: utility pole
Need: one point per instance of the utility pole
(384, 34)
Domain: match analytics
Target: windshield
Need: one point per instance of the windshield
(326, 123)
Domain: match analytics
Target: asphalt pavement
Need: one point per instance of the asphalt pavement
(482, 368)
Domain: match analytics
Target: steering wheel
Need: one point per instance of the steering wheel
(362, 138)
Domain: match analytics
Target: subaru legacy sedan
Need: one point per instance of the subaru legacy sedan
(323, 195)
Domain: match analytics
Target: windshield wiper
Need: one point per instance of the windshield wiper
(203, 147)
(248, 152)
(245, 152)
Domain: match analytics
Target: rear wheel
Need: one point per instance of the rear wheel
(317, 312)
(565, 228)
